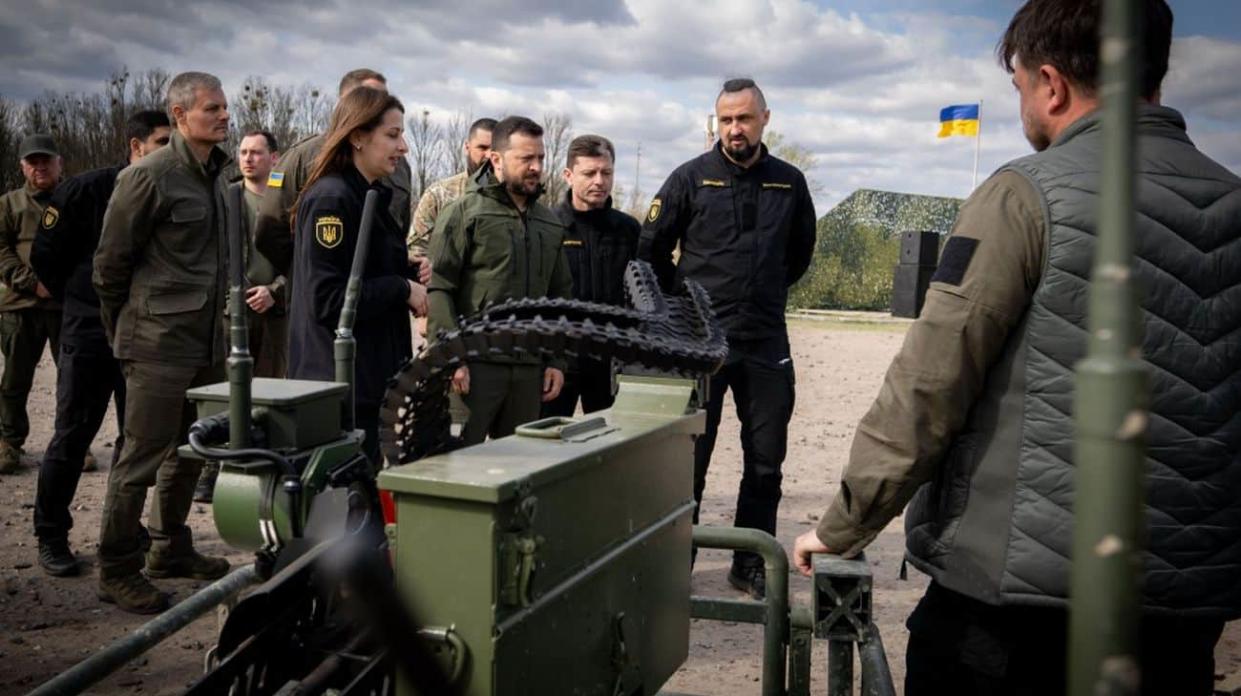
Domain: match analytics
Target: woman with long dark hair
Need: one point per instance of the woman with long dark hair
(364, 143)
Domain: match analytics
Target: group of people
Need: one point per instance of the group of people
(972, 425)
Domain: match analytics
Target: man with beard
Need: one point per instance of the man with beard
(973, 426)
(599, 243)
(745, 223)
(439, 194)
(88, 376)
(495, 243)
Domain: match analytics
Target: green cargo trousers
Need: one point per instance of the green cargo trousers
(23, 333)
(157, 417)
(501, 397)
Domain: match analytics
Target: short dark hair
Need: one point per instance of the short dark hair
(483, 124)
(739, 84)
(1065, 35)
(272, 146)
(353, 78)
(141, 124)
(513, 124)
(589, 146)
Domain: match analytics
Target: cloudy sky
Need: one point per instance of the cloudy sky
(858, 82)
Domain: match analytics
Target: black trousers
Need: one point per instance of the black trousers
(591, 381)
(963, 647)
(84, 385)
(760, 375)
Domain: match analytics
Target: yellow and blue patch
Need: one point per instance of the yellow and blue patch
(275, 180)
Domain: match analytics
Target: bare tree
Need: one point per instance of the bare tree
(795, 154)
(426, 151)
(456, 132)
(557, 134)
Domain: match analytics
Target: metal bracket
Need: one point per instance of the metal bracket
(842, 598)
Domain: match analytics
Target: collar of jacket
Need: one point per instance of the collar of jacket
(730, 168)
(357, 183)
(217, 159)
(1167, 121)
(39, 195)
(484, 181)
(568, 214)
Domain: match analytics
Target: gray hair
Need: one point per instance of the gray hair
(183, 87)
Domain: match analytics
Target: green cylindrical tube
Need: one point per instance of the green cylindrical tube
(1110, 405)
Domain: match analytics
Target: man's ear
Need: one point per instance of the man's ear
(568, 175)
(1057, 89)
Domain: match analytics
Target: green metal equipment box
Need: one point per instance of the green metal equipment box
(559, 555)
(297, 414)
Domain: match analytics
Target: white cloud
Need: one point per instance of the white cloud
(862, 93)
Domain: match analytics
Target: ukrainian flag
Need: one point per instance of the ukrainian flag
(959, 119)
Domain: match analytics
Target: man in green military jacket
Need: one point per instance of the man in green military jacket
(29, 317)
(160, 276)
(497, 242)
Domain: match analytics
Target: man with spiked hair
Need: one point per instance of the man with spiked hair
(745, 224)
(160, 277)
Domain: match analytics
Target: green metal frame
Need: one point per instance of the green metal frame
(98, 666)
(1112, 395)
(842, 614)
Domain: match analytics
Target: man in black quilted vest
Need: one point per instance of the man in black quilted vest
(973, 425)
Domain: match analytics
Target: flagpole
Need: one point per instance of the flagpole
(977, 147)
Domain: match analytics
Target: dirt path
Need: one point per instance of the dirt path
(48, 624)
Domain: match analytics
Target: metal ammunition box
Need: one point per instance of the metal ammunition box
(297, 414)
(561, 554)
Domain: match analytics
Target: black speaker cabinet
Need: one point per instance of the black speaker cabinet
(909, 286)
(919, 248)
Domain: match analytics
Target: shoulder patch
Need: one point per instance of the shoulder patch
(50, 217)
(653, 214)
(275, 180)
(955, 260)
(329, 230)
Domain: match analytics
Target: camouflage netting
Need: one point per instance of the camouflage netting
(859, 244)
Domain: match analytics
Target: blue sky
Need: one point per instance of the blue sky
(857, 82)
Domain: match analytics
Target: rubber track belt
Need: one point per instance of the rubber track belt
(677, 334)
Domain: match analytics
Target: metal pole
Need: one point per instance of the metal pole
(776, 567)
(240, 364)
(876, 673)
(1110, 402)
(345, 347)
(97, 667)
(977, 147)
(839, 667)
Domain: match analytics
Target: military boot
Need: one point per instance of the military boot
(750, 579)
(133, 593)
(56, 559)
(162, 564)
(10, 458)
(204, 492)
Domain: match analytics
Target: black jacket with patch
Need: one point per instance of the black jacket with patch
(328, 218)
(746, 235)
(63, 255)
(598, 245)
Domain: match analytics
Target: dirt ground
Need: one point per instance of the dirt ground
(49, 624)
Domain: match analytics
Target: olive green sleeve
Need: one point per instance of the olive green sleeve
(561, 287)
(449, 247)
(127, 228)
(273, 229)
(981, 291)
(14, 273)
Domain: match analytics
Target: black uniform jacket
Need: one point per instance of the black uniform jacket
(63, 255)
(598, 244)
(328, 218)
(746, 235)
